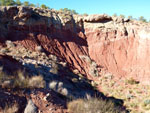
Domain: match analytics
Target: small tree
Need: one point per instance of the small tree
(130, 17)
(142, 19)
(73, 12)
(85, 14)
(2, 2)
(122, 16)
(114, 15)
(9, 2)
(18, 3)
(43, 6)
(26, 3)
(32, 5)
(68, 11)
(65, 9)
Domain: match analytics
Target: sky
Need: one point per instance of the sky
(134, 8)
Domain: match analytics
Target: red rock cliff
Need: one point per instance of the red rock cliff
(121, 46)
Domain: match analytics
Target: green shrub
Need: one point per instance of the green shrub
(132, 81)
(43, 6)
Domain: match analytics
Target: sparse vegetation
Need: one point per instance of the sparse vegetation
(85, 14)
(134, 94)
(21, 80)
(142, 19)
(19, 3)
(44, 6)
(26, 3)
(58, 87)
(93, 105)
(130, 17)
(68, 11)
(114, 15)
(10, 109)
(132, 81)
(122, 16)
(55, 68)
(92, 65)
(146, 104)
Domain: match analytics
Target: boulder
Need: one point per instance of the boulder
(97, 18)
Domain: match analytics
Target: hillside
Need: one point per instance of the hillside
(76, 56)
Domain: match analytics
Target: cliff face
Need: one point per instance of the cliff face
(118, 45)
(122, 48)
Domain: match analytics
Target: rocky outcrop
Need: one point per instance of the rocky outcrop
(118, 45)
(97, 18)
(55, 34)
(121, 48)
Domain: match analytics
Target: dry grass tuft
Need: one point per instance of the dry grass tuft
(55, 68)
(37, 81)
(93, 105)
(10, 109)
(21, 80)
